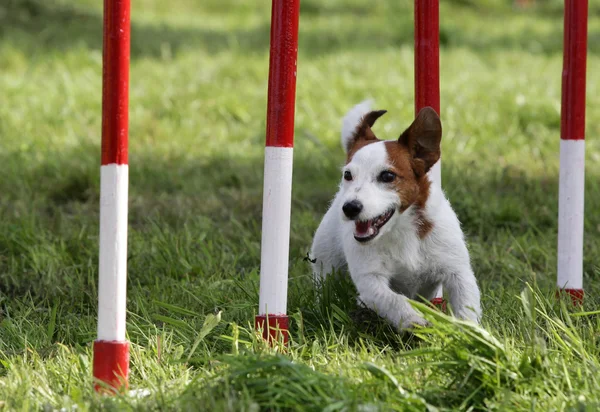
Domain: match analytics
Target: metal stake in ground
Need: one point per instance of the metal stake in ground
(111, 349)
(572, 151)
(427, 75)
(277, 195)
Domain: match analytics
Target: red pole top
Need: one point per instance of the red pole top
(115, 82)
(427, 54)
(282, 73)
(574, 70)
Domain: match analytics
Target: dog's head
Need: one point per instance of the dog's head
(382, 179)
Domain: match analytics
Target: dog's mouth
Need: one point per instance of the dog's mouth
(368, 229)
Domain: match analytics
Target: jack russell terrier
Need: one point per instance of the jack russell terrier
(391, 227)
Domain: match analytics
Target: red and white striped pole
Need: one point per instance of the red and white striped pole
(277, 194)
(111, 349)
(572, 151)
(427, 75)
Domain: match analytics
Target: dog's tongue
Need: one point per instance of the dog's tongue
(364, 229)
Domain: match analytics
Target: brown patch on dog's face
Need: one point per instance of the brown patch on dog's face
(363, 134)
(406, 182)
(357, 146)
(411, 157)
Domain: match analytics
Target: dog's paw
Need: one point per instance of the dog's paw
(469, 318)
(413, 322)
(469, 314)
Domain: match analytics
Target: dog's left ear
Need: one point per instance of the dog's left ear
(363, 129)
(422, 138)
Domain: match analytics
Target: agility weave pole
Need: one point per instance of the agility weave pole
(277, 190)
(427, 76)
(111, 349)
(572, 152)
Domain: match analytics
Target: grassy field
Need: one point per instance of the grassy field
(198, 97)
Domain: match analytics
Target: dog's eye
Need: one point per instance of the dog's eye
(386, 176)
(347, 175)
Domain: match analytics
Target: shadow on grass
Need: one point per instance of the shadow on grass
(38, 27)
(485, 201)
(194, 239)
(57, 202)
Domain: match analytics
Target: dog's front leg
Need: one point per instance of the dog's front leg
(463, 294)
(374, 291)
(326, 252)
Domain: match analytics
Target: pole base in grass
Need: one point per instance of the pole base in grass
(439, 303)
(576, 295)
(111, 365)
(277, 326)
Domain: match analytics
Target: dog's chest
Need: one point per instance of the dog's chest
(406, 273)
(398, 255)
(412, 284)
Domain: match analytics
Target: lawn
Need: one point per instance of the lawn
(197, 114)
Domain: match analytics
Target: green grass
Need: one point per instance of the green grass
(198, 95)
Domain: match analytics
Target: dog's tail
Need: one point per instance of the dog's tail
(353, 119)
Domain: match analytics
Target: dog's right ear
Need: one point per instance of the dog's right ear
(422, 139)
(363, 130)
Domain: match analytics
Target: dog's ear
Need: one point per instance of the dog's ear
(422, 139)
(363, 130)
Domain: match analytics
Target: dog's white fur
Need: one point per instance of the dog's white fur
(398, 256)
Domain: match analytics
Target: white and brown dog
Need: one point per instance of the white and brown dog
(394, 230)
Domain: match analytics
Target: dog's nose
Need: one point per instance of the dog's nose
(352, 209)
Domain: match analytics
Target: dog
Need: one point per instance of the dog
(390, 227)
